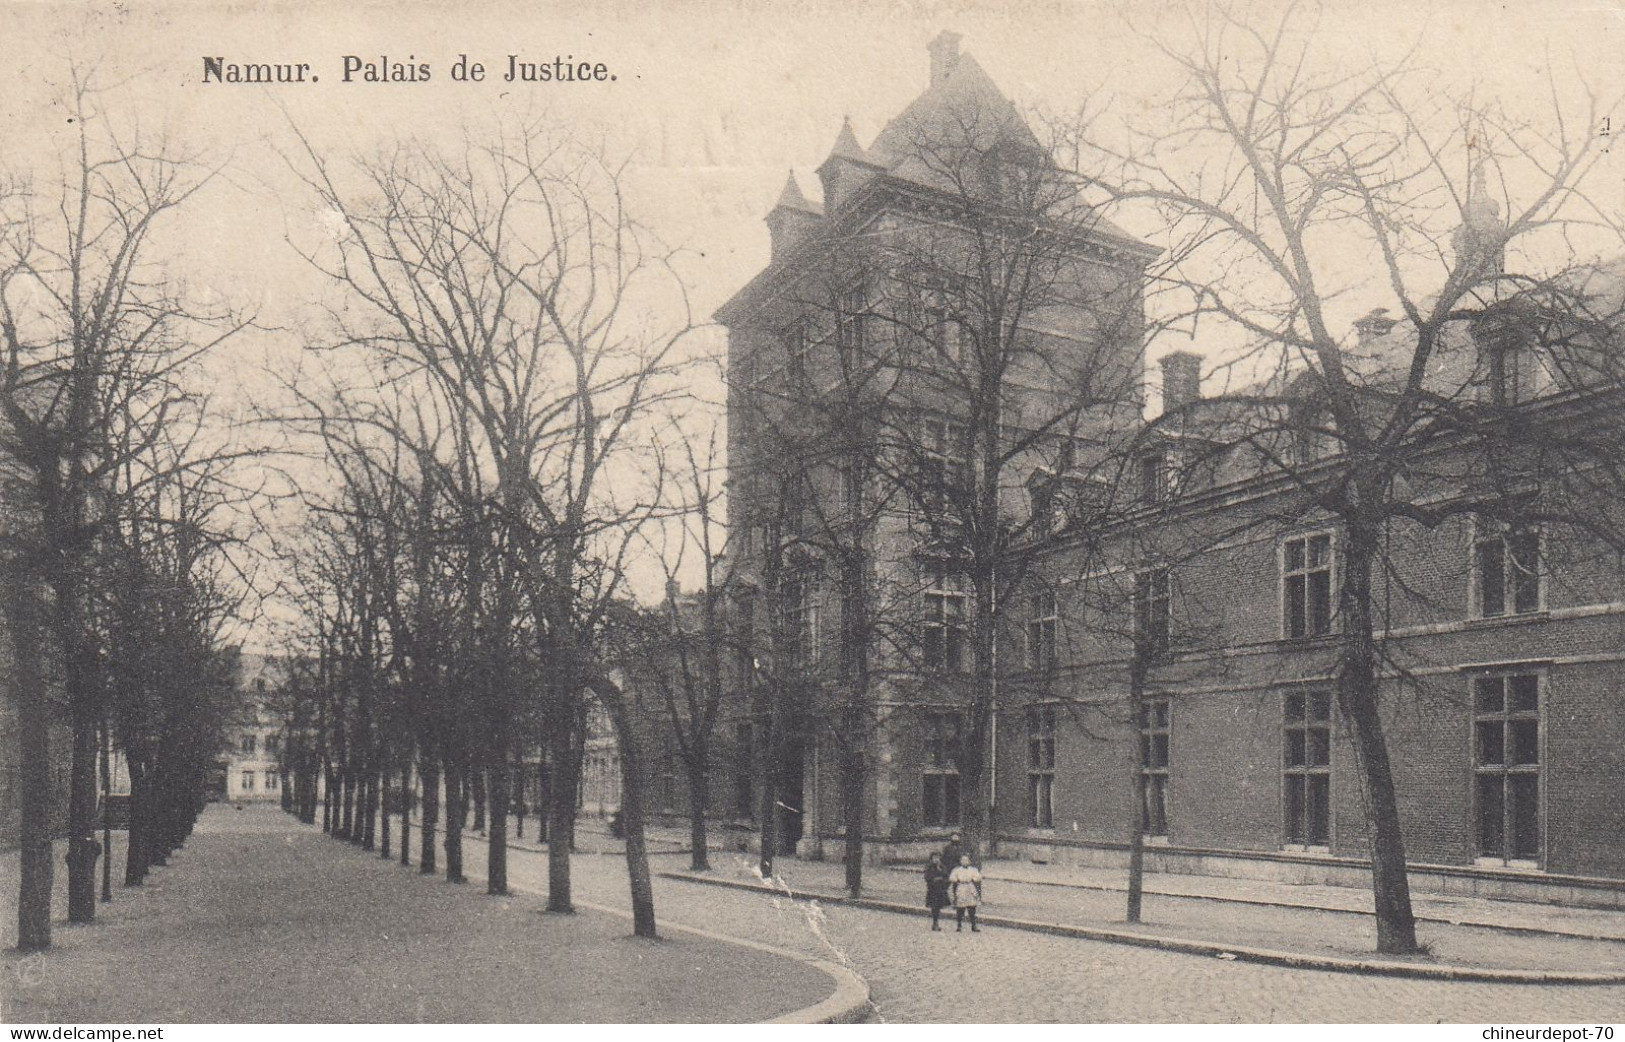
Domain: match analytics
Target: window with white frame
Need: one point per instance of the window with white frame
(940, 771)
(1506, 758)
(1306, 586)
(1506, 570)
(1042, 623)
(803, 619)
(247, 781)
(249, 744)
(1307, 768)
(271, 781)
(1041, 766)
(944, 463)
(1154, 751)
(947, 610)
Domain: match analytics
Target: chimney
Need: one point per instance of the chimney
(944, 55)
(1181, 379)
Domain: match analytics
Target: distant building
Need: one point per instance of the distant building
(252, 757)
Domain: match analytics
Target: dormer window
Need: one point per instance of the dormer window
(1515, 375)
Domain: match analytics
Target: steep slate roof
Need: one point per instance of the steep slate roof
(792, 199)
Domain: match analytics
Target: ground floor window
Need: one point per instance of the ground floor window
(1307, 768)
(1041, 766)
(940, 775)
(1154, 732)
(248, 781)
(271, 781)
(1506, 744)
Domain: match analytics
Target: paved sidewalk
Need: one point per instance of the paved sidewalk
(1320, 922)
(262, 920)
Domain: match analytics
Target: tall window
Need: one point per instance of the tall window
(1506, 569)
(803, 621)
(1506, 740)
(1306, 586)
(940, 773)
(943, 634)
(1153, 610)
(1041, 766)
(940, 328)
(944, 463)
(798, 350)
(271, 781)
(1042, 621)
(248, 781)
(249, 744)
(272, 744)
(1307, 768)
(849, 317)
(1154, 733)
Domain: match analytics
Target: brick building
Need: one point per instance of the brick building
(1503, 644)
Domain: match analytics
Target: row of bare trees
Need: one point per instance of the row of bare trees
(494, 382)
(116, 548)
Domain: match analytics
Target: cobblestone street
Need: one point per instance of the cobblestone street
(1003, 975)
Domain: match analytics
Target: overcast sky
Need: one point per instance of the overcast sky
(712, 102)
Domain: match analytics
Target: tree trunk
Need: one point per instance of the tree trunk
(82, 845)
(406, 811)
(430, 817)
(496, 872)
(1136, 838)
(1357, 697)
(455, 805)
(369, 804)
(135, 849)
(560, 814)
(384, 851)
(106, 759)
(699, 798)
(632, 823)
(34, 763)
(478, 785)
(853, 774)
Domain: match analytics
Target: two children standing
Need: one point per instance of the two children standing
(960, 885)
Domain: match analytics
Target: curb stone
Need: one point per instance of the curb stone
(847, 1004)
(1261, 902)
(1294, 960)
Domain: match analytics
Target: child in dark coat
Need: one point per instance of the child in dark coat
(936, 889)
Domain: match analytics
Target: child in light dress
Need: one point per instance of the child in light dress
(966, 884)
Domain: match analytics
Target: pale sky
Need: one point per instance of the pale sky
(713, 101)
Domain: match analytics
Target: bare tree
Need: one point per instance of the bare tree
(91, 329)
(1273, 169)
(508, 282)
